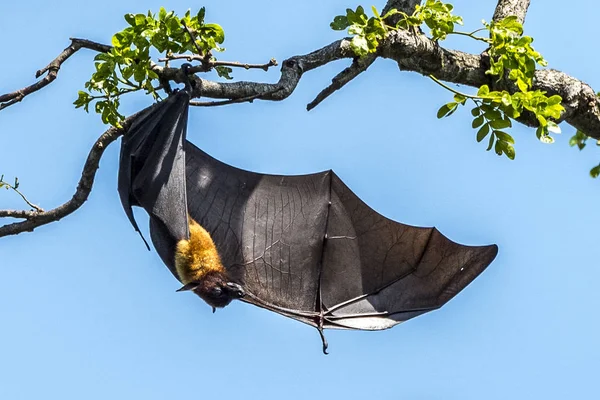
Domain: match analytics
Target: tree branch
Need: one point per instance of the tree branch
(25, 199)
(420, 54)
(226, 102)
(18, 214)
(34, 219)
(506, 8)
(412, 51)
(216, 63)
(358, 66)
(52, 71)
(407, 6)
(291, 72)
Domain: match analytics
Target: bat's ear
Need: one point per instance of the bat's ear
(188, 286)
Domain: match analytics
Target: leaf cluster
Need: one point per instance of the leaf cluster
(128, 67)
(436, 14)
(511, 51)
(368, 32)
(511, 56)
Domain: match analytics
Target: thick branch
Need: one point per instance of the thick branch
(419, 54)
(358, 66)
(506, 8)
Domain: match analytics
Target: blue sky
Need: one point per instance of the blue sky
(87, 313)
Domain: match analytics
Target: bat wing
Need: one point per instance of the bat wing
(152, 168)
(308, 248)
(391, 272)
(304, 246)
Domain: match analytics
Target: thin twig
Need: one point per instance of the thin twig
(52, 69)
(471, 35)
(193, 38)
(216, 63)
(468, 96)
(232, 101)
(17, 191)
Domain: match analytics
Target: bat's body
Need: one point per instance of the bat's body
(304, 246)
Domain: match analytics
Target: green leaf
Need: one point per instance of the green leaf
(501, 123)
(375, 12)
(505, 137)
(224, 72)
(578, 139)
(200, 15)
(446, 109)
(509, 150)
(484, 90)
(547, 139)
(499, 147)
(491, 142)
(493, 114)
(162, 13)
(483, 132)
(218, 32)
(459, 98)
(130, 18)
(477, 122)
(553, 127)
(140, 20)
(340, 23)
(139, 73)
(595, 172)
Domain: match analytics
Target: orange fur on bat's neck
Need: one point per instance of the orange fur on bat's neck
(197, 256)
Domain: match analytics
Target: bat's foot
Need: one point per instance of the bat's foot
(324, 340)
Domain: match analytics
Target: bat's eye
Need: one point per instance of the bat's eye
(216, 291)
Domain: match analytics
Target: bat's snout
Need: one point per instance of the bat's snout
(237, 289)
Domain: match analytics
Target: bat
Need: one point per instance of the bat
(302, 246)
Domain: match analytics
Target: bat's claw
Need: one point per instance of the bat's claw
(324, 340)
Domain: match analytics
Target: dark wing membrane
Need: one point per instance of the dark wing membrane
(268, 229)
(378, 272)
(152, 167)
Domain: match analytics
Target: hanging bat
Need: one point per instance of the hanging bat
(303, 246)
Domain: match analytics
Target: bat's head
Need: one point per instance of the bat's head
(215, 289)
